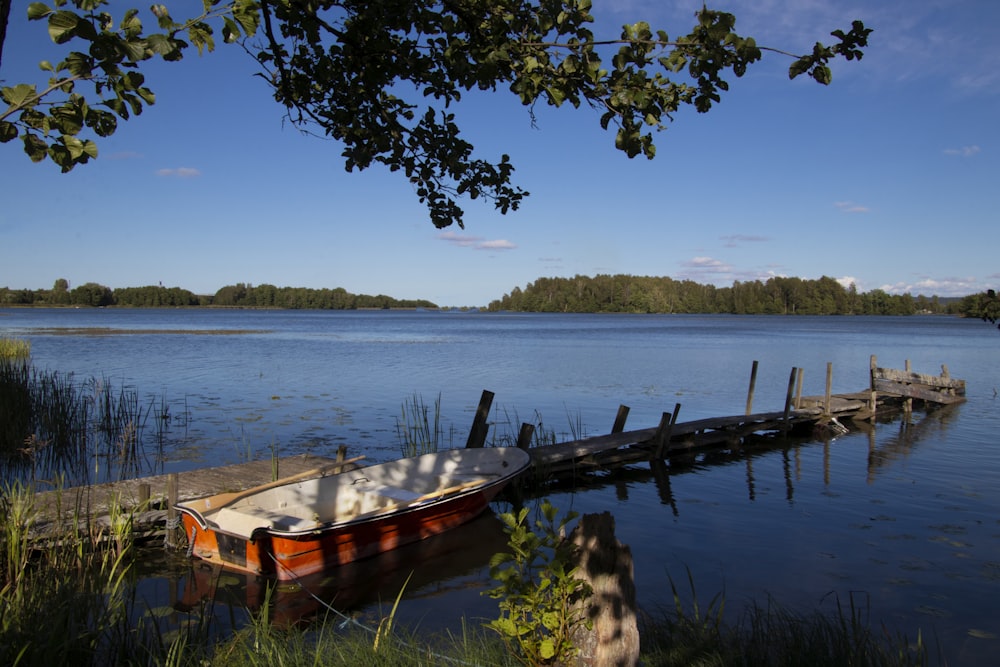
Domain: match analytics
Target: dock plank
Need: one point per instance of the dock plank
(96, 499)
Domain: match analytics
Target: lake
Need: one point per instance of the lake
(901, 519)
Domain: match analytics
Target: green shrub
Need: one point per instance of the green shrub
(540, 595)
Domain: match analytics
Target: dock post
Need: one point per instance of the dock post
(662, 438)
(798, 388)
(173, 521)
(480, 424)
(144, 494)
(753, 385)
(829, 384)
(788, 396)
(620, 418)
(908, 403)
(873, 394)
(525, 436)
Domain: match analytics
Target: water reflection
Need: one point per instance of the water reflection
(426, 570)
(913, 428)
(911, 432)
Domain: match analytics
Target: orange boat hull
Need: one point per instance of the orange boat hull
(289, 556)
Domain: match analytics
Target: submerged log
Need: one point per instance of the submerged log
(606, 565)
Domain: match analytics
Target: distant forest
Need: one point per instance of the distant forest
(580, 294)
(776, 296)
(240, 295)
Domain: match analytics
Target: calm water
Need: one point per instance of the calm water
(903, 518)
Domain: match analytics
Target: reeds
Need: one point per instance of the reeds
(14, 349)
(415, 430)
(66, 597)
(51, 425)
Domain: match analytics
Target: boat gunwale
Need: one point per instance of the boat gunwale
(380, 514)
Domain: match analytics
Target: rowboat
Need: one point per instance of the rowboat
(300, 527)
(441, 565)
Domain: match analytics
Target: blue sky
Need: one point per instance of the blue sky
(888, 178)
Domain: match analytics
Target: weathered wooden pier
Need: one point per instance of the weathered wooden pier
(150, 500)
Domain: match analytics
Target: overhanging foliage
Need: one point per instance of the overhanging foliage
(382, 77)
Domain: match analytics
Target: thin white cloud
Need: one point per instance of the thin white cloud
(706, 270)
(851, 207)
(498, 244)
(476, 242)
(964, 151)
(734, 240)
(179, 172)
(707, 265)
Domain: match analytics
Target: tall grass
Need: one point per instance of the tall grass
(52, 426)
(14, 349)
(65, 594)
(417, 432)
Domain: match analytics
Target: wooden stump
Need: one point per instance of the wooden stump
(606, 565)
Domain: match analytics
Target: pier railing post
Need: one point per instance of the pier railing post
(620, 418)
(873, 394)
(662, 438)
(480, 423)
(525, 436)
(798, 388)
(827, 412)
(788, 397)
(173, 521)
(908, 403)
(753, 385)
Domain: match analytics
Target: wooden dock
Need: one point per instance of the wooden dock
(889, 390)
(151, 499)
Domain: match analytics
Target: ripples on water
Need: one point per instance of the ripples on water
(904, 519)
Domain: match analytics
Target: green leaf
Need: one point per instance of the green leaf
(136, 49)
(17, 95)
(62, 26)
(131, 25)
(230, 30)
(160, 44)
(8, 131)
(547, 649)
(35, 147)
(38, 10)
(78, 64)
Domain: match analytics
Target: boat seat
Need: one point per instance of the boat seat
(243, 521)
(397, 493)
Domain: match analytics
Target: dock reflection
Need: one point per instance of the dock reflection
(910, 430)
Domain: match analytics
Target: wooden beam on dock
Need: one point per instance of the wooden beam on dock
(152, 496)
(933, 388)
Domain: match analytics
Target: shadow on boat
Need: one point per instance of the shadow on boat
(423, 570)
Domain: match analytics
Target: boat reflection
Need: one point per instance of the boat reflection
(427, 569)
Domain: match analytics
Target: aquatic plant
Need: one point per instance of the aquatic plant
(14, 349)
(66, 597)
(417, 435)
(51, 425)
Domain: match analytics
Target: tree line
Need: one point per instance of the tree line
(602, 293)
(776, 296)
(240, 295)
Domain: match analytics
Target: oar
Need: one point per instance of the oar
(433, 494)
(220, 500)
